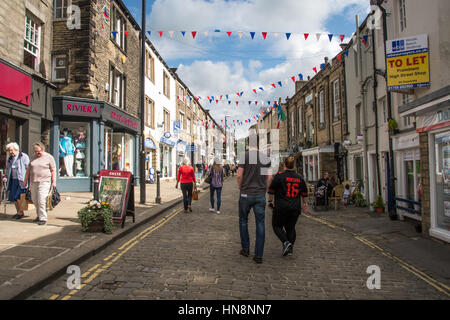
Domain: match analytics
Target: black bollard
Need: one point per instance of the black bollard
(158, 194)
(96, 182)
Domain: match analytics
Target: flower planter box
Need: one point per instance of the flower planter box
(97, 226)
(379, 209)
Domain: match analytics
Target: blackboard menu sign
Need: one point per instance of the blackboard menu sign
(115, 187)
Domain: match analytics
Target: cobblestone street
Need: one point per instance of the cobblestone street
(196, 256)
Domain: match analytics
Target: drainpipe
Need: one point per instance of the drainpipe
(375, 109)
(391, 187)
(363, 107)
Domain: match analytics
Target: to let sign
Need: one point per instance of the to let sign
(407, 63)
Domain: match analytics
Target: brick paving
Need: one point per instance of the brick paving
(195, 256)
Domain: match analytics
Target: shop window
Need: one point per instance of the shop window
(165, 154)
(442, 172)
(74, 150)
(32, 43)
(118, 26)
(60, 9)
(122, 151)
(8, 129)
(59, 68)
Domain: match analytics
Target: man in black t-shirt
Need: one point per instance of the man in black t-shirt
(289, 188)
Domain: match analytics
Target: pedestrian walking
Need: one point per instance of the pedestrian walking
(216, 185)
(42, 175)
(16, 167)
(186, 177)
(289, 189)
(253, 177)
(233, 169)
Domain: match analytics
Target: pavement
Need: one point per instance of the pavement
(31, 255)
(196, 256)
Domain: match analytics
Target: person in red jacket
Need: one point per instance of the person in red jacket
(187, 176)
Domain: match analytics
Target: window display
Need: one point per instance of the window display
(74, 150)
(442, 149)
(119, 150)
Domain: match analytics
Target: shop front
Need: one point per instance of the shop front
(166, 150)
(407, 171)
(24, 113)
(432, 113)
(317, 161)
(89, 136)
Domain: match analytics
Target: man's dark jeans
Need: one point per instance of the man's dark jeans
(258, 203)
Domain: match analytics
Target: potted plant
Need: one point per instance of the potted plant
(393, 126)
(379, 204)
(359, 200)
(96, 217)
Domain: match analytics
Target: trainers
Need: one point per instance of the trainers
(257, 260)
(286, 247)
(36, 220)
(218, 212)
(41, 223)
(211, 209)
(244, 252)
(291, 250)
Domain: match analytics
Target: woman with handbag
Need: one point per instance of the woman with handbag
(186, 175)
(217, 175)
(16, 167)
(42, 174)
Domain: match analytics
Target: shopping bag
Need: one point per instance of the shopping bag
(23, 203)
(195, 195)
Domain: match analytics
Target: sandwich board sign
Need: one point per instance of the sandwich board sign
(116, 188)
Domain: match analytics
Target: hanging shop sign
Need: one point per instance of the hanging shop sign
(15, 85)
(167, 141)
(116, 188)
(407, 63)
(149, 144)
(434, 120)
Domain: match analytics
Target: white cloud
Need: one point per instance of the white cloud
(247, 64)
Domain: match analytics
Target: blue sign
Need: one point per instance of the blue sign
(190, 148)
(149, 144)
(176, 126)
(167, 141)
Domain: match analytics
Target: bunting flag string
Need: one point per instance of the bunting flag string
(252, 34)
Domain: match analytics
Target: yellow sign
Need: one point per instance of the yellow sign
(408, 70)
(407, 63)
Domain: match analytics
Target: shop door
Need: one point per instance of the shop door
(108, 148)
(442, 176)
(117, 151)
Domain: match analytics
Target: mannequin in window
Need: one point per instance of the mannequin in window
(66, 149)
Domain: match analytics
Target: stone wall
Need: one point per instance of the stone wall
(425, 175)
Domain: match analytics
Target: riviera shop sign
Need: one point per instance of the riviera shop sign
(70, 108)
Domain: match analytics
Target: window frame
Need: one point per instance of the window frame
(65, 5)
(149, 106)
(150, 66)
(402, 14)
(182, 120)
(54, 67)
(336, 101)
(166, 115)
(37, 26)
(321, 107)
(166, 84)
(120, 40)
(300, 119)
(115, 74)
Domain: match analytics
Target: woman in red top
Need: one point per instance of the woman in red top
(187, 176)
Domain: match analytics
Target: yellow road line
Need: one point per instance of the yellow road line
(441, 287)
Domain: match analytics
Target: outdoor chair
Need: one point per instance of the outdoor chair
(336, 195)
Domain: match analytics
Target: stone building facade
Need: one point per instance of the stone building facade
(96, 58)
(317, 122)
(26, 73)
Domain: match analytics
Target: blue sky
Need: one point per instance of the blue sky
(216, 64)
